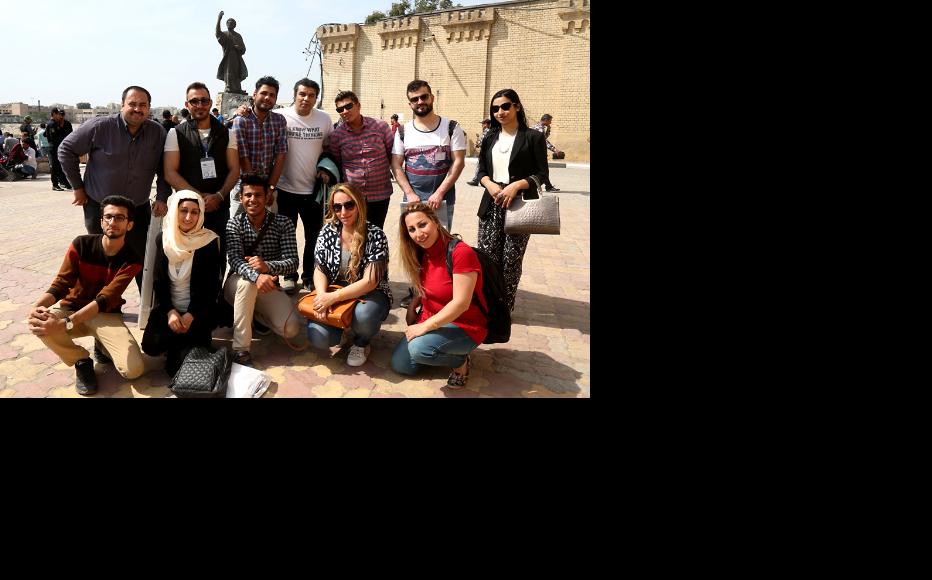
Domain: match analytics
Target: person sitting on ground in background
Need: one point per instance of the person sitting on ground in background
(353, 253)
(187, 278)
(25, 158)
(450, 324)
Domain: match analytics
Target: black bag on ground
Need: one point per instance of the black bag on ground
(493, 288)
(203, 373)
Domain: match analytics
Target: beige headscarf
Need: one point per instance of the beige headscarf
(180, 246)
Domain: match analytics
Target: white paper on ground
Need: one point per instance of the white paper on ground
(148, 272)
(247, 382)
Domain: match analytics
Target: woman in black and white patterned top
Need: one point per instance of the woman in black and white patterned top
(353, 253)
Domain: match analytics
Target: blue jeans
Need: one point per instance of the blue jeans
(367, 320)
(445, 347)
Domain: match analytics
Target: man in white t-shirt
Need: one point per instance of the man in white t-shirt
(432, 150)
(201, 155)
(26, 156)
(308, 129)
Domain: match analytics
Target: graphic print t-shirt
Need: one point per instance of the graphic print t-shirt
(305, 142)
(429, 156)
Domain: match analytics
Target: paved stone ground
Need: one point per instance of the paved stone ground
(548, 355)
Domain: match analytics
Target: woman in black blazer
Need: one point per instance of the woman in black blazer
(186, 283)
(512, 157)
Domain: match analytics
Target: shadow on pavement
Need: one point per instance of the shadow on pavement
(533, 309)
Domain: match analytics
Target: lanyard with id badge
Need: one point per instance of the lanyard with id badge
(208, 167)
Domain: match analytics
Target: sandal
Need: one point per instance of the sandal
(457, 380)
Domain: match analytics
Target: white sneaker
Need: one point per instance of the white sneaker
(357, 356)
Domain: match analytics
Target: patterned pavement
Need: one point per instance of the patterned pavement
(548, 355)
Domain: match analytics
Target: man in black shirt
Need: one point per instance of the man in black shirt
(58, 128)
(167, 120)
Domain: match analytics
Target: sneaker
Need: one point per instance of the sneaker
(289, 286)
(260, 329)
(86, 379)
(56, 188)
(242, 357)
(357, 355)
(552, 188)
(100, 353)
(472, 182)
(406, 301)
(458, 381)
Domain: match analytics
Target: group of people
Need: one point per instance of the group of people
(238, 194)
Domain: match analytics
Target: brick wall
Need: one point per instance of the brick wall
(539, 48)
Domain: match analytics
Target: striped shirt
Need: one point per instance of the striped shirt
(89, 274)
(279, 248)
(259, 142)
(365, 157)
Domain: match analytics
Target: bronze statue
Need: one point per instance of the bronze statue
(232, 69)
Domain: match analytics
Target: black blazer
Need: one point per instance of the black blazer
(528, 157)
(206, 275)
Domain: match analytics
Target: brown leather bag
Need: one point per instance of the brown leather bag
(340, 315)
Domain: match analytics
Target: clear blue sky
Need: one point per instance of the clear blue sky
(101, 47)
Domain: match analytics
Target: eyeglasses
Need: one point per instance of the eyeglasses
(419, 98)
(504, 107)
(199, 102)
(348, 206)
(114, 219)
(346, 107)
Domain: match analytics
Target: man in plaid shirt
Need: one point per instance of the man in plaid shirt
(255, 268)
(261, 138)
(362, 147)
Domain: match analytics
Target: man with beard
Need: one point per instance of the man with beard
(58, 128)
(433, 151)
(86, 295)
(201, 156)
(124, 154)
(261, 139)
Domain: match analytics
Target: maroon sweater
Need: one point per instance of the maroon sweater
(87, 274)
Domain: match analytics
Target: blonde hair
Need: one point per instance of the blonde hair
(358, 242)
(411, 253)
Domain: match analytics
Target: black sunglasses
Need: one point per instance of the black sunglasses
(338, 207)
(196, 102)
(419, 98)
(504, 107)
(345, 107)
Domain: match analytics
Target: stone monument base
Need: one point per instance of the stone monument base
(227, 103)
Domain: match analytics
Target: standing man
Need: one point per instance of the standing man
(57, 130)
(124, 154)
(362, 147)
(261, 139)
(216, 113)
(42, 141)
(261, 246)
(88, 291)
(395, 124)
(308, 129)
(486, 123)
(201, 156)
(167, 122)
(544, 127)
(433, 153)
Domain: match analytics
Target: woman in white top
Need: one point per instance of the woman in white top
(186, 283)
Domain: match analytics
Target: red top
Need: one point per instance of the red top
(438, 286)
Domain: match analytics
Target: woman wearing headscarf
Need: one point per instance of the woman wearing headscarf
(187, 280)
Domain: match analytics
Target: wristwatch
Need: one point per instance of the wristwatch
(69, 325)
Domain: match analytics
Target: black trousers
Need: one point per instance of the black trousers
(135, 238)
(58, 174)
(376, 212)
(291, 205)
(216, 221)
(159, 339)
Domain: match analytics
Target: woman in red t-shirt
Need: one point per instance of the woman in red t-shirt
(450, 324)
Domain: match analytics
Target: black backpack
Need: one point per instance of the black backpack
(493, 288)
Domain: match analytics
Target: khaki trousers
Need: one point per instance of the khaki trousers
(109, 330)
(270, 309)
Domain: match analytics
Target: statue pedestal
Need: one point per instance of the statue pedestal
(227, 103)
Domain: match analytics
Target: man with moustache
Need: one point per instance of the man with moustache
(362, 148)
(124, 154)
(58, 128)
(201, 156)
(86, 295)
(308, 129)
(261, 139)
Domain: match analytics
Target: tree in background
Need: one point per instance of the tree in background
(83, 105)
(404, 8)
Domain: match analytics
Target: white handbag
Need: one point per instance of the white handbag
(533, 216)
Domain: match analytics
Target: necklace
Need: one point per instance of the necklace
(501, 142)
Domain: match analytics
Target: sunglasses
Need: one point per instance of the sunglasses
(348, 206)
(504, 107)
(420, 98)
(197, 102)
(346, 107)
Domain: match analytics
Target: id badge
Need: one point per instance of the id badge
(440, 156)
(208, 168)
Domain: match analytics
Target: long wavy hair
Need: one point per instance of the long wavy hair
(411, 253)
(357, 245)
(512, 96)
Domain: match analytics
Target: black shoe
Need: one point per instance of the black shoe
(56, 188)
(473, 183)
(406, 301)
(552, 188)
(86, 383)
(242, 357)
(100, 354)
(260, 329)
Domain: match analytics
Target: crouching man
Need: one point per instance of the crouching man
(87, 295)
(261, 247)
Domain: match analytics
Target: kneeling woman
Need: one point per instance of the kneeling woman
(186, 282)
(353, 253)
(450, 324)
